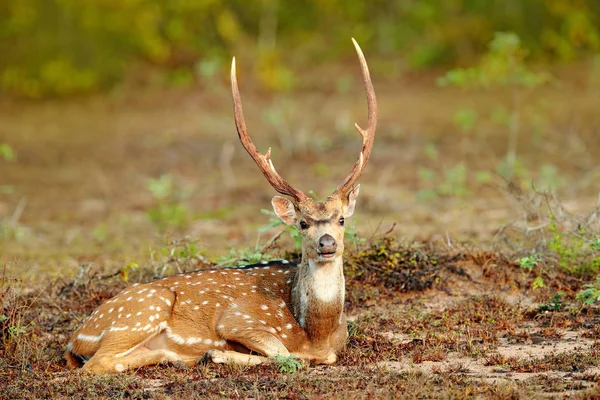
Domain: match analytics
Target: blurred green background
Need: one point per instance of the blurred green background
(63, 47)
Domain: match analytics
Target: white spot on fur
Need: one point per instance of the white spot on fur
(90, 338)
(117, 328)
(193, 340)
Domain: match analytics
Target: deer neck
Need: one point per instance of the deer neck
(318, 296)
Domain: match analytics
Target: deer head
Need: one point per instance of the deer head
(320, 223)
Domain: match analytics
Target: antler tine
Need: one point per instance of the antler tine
(262, 160)
(368, 134)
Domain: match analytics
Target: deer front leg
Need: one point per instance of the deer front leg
(255, 340)
(234, 358)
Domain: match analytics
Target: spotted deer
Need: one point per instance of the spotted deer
(242, 315)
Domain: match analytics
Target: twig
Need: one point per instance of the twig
(14, 219)
(389, 231)
(448, 241)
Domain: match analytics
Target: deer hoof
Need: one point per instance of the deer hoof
(179, 364)
(215, 356)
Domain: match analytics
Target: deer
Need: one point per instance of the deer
(246, 315)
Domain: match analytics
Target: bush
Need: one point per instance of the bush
(52, 47)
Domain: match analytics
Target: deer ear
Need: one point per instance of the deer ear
(285, 210)
(350, 202)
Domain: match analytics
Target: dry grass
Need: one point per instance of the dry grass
(436, 340)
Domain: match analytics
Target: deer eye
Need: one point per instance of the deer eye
(342, 221)
(303, 225)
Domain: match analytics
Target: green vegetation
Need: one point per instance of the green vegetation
(84, 46)
(276, 223)
(530, 262)
(289, 364)
(575, 252)
(504, 65)
(591, 292)
(169, 211)
(7, 153)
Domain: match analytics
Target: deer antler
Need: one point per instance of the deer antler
(262, 160)
(368, 135)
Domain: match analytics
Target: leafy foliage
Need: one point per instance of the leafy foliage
(591, 293)
(82, 46)
(7, 153)
(276, 223)
(574, 251)
(124, 272)
(530, 261)
(289, 364)
(242, 257)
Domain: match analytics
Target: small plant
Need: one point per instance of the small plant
(530, 261)
(124, 272)
(465, 119)
(7, 152)
(555, 303)
(452, 183)
(591, 293)
(288, 364)
(169, 211)
(176, 255)
(246, 256)
(575, 251)
(276, 223)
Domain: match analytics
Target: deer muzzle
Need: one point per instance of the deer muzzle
(327, 247)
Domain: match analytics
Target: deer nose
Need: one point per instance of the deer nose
(327, 244)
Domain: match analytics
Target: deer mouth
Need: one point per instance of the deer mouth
(327, 255)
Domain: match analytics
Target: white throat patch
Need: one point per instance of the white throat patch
(328, 280)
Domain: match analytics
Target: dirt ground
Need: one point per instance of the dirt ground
(438, 304)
